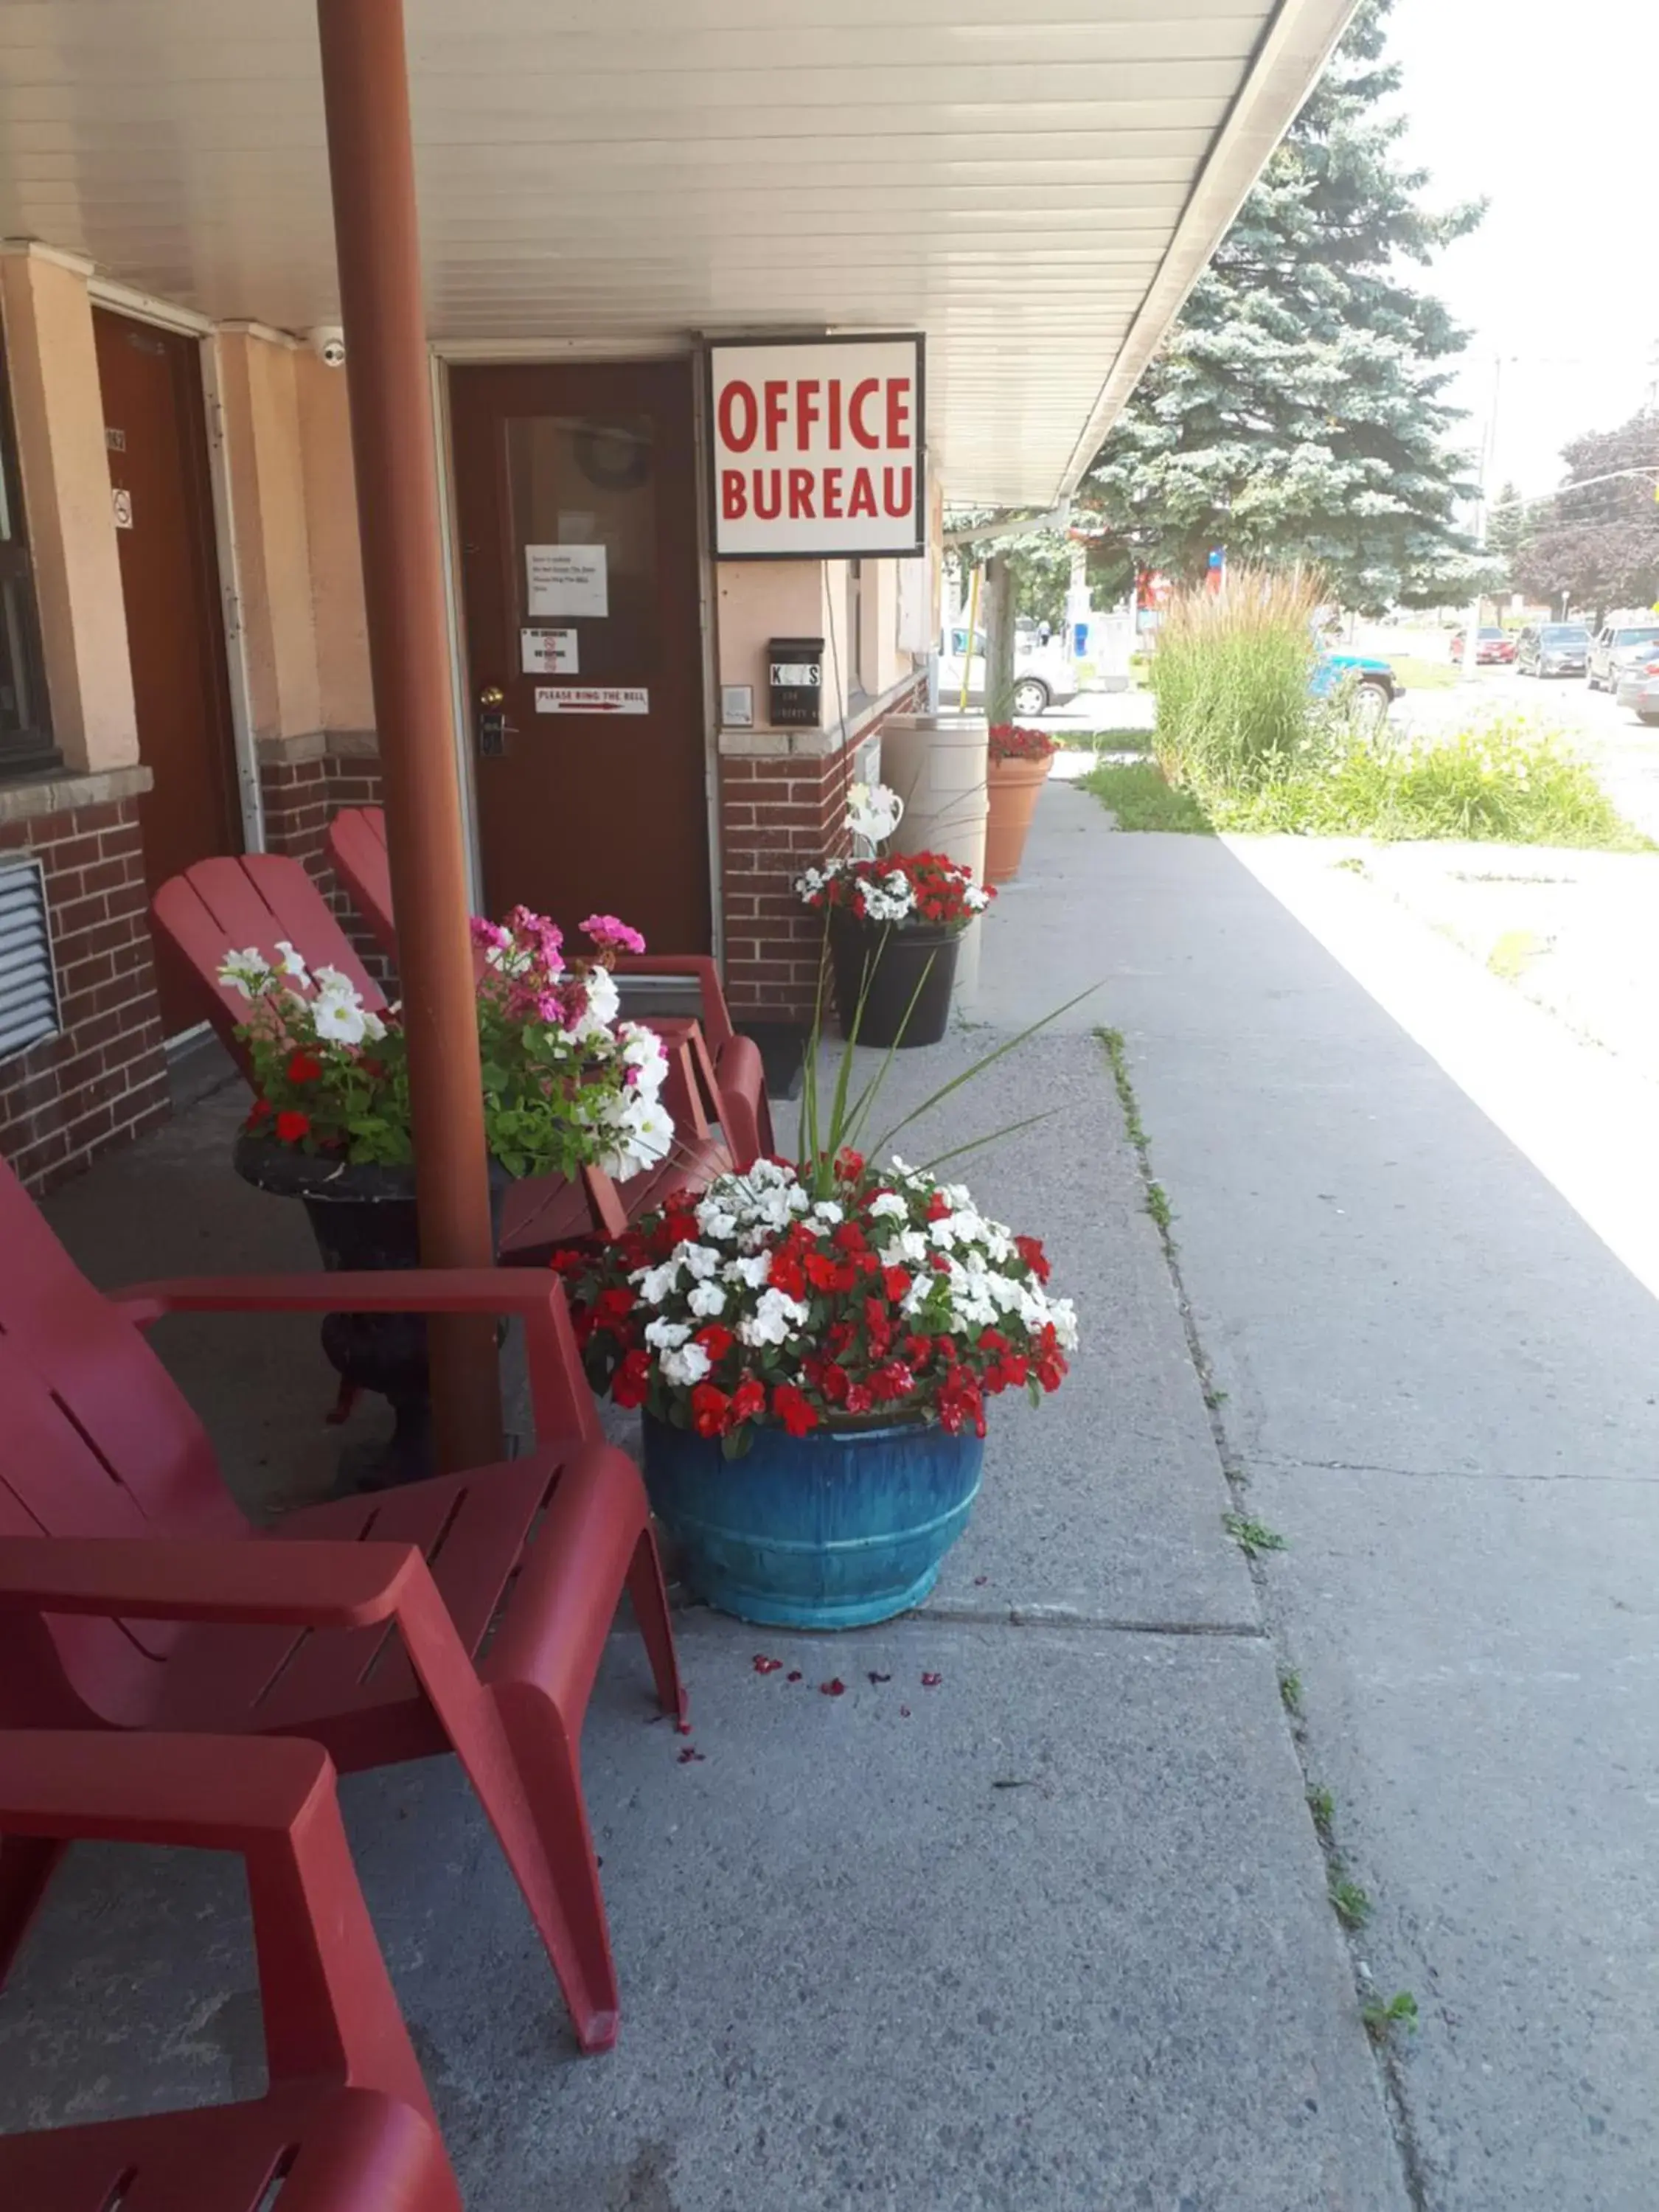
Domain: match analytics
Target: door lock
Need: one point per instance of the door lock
(494, 728)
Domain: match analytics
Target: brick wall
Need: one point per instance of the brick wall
(104, 1080)
(778, 815)
(300, 798)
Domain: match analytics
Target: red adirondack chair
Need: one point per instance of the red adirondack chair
(345, 2124)
(259, 899)
(467, 1613)
(357, 846)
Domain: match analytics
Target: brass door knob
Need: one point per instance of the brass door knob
(492, 696)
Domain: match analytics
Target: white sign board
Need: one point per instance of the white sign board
(818, 448)
(565, 580)
(548, 652)
(591, 699)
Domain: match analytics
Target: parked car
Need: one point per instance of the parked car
(1552, 649)
(1378, 687)
(1638, 689)
(1618, 643)
(1492, 647)
(1043, 677)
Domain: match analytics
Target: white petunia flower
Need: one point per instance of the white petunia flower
(247, 972)
(292, 965)
(340, 1019)
(687, 1365)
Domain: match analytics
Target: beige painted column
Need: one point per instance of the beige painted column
(258, 394)
(338, 616)
(52, 363)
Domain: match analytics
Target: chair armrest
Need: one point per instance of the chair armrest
(562, 1401)
(716, 1021)
(105, 1785)
(291, 1583)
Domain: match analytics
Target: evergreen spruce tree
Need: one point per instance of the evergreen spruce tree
(1297, 411)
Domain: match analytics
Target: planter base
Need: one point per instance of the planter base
(833, 1530)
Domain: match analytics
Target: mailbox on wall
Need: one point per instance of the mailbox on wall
(794, 687)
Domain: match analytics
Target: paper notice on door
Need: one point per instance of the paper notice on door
(548, 652)
(591, 699)
(566, 579)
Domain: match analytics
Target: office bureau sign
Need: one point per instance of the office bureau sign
(818, 447)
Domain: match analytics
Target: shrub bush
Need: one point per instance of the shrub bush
(1230, 675)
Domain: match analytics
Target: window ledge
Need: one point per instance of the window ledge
(31, 796)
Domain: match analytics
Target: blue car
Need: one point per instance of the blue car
(1374, 675)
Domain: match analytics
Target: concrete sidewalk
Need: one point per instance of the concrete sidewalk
(1439, 1385)
(1050, 1936)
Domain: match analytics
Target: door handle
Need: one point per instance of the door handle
(494, 728)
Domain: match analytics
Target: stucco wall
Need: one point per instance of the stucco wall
(346, 699)
(52, 362)
(258, 392)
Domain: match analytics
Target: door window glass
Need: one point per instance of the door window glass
(582, 513)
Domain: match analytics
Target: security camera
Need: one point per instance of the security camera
(328, 343)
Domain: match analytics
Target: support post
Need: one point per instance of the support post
(372, 172)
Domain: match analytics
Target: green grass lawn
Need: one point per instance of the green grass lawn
(1138, 795)
(1422, 675)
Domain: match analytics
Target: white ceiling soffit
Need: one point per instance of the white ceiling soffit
(1037, 196)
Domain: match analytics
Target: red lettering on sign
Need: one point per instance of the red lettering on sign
(733, 505)
(835, 413)
(768, 480)
(733, 395)
(775, 395)
(800, 494)
(806, 410)
(832, 509)
(901, 506)
(863, 501)
(861, 392)
(898, 410)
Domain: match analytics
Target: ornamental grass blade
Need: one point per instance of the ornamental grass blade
(988, 1060)
(991, 1137)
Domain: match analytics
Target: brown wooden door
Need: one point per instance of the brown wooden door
(576, 494)
(155, 425)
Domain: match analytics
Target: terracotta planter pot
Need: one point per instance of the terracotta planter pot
(1013, 786)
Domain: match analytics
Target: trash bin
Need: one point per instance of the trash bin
(938, 763)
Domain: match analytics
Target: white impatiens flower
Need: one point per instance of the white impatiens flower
(908, 1248)
(1063, 1314)
(716, 1219)
(889, 1206)
(829, 1213)
(687, 1365)
(699, 1260)
(654, 1283)
(292, 965)
(708, 1300)
(775, 1311)
(754, 1271)
(666, 1335)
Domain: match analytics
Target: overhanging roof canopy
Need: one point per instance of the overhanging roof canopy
(1036, 195)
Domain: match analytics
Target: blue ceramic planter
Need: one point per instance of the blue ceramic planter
(829, 1530)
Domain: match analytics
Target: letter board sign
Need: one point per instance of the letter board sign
(818, 447)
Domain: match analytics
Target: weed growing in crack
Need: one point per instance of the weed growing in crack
(1351, 1903)
(1158, 1205)
(1323, 1806)
(1381, 2020)
(1290, 1691)
(1253, 1538)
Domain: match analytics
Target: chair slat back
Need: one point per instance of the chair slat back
(357, 849)
(252, 901)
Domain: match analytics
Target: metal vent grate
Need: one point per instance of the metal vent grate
(28, 987)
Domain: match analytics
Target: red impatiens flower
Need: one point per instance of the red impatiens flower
(612, 1307)
(715, 1340)
(748, 1400)
(632, 1377)
(895, 1281)
(794, 1409)
(849, 1164)
(259, 1111)
(1029, 1250)
(303, 1066)
(711, 1410)
(292, 1126)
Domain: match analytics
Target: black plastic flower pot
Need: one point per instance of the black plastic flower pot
(905, 977)
(365, 1218)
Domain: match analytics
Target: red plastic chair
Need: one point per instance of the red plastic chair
(356, 847)
(345, 2124)
(258, 900)
(464, 1614)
